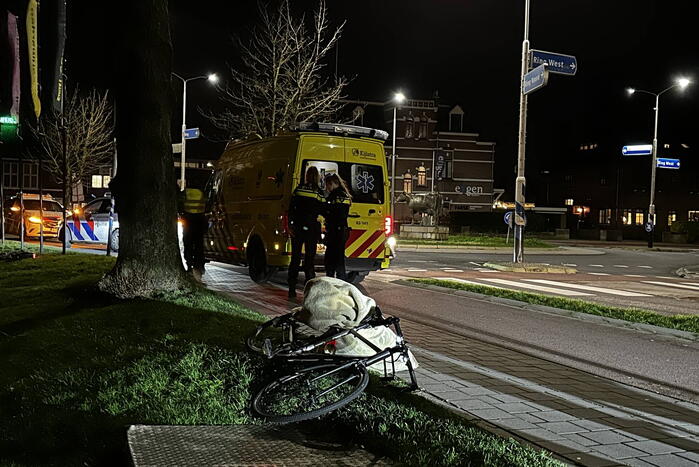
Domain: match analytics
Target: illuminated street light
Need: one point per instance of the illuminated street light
(211, 78)
(398, 98)
(681, 83)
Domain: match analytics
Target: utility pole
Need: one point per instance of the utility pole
(520, 182)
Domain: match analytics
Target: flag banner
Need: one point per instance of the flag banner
(33, 51)
(13, 37)
(52, 30)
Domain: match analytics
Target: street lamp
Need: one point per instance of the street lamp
(679, 83)
(211, 78)
(398, 98)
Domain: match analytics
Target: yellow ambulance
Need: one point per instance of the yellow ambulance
(252, 183)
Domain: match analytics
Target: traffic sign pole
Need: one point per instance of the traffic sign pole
(184, 141)
(520, 182)
(651, 206)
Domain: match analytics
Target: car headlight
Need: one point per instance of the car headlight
(391, 241)
(34, 220)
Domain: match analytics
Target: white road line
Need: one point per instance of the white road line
(417, 261)
(589, 288)
(570, 265)
(416, 270)
(696, 284)
(665, 277)
(596, 265)
(445, 268)
(679, 286)
(620, 266)
(646, 267)
(598, 274)
(633, 275)
(475, 264)
(453, 270)
(536, 287)
(486, 270)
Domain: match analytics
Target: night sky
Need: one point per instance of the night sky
(469, 51)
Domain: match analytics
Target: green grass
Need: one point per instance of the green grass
(689, 323)
(78, 367)
(477, 240)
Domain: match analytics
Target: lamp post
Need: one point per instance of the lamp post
(398, 99)
(681, 83)
(213, 79)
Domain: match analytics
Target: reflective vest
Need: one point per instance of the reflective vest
(194, 202)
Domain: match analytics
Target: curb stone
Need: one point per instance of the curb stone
(648, 328)
(531, 267)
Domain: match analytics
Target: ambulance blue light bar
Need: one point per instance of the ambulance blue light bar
(342, 129)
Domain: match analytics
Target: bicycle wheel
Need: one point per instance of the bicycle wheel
(272, 334)
(310, 392)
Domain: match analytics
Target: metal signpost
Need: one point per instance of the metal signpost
(665, 163)
(637, 150)
(530, 81)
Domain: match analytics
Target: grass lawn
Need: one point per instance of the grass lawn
(79, 367)
(689, 323)
(477, 240)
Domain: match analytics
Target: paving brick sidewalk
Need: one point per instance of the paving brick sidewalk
(582, 418)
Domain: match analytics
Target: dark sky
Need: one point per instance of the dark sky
(470, 52)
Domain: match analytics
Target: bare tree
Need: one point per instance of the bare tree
(280, 81)
(89, 138)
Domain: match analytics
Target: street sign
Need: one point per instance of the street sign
(508, 218)
(648, 226)
(191, 133)
(177, 148)
(535, 79)
(665, 163)
(637, 150)
(556, 63)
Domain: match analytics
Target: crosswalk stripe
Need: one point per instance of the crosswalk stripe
(669, 284)
(596, 265)
(598, 274)
(646, 267)
(453, 270)
(620, 266)
(633, 275)
(589, 288)
(536, 287)
(570, 265)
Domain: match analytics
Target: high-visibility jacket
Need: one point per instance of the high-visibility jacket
(306, 205)
(337, 209)
(194, 202)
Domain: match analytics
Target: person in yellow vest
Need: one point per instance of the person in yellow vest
(194, 227)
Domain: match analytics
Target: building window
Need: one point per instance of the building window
(407, 182)
(605, 216)
(639, 218)
(423, 127)
(693, 216)
(100, 181)
(671, 218)
(568, 179)
(569, 201)
(627, 218)
(421, 176)
(456, 119)
(603, 181)
(409, 125)
(30, 175)
(10, 173)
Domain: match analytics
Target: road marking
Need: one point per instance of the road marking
(570, 265)
(416, 270)
(453, 270)
(692, 283)
(646, 267)
(679, 286)
(385, 270)
(620, 266)
(536, 287)
(589, 288)
(475, 264)
(596, 265)
(633, 275)
(417, 261)
(445, 268)
(486, 270)
(598, 274)
(665, 277)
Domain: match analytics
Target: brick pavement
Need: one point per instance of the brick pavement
(582, 418)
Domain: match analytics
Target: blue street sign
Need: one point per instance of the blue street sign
(535, 79)
(191, 133)
(508, 218)
(637, 150)
(665, 163)
(556, 63)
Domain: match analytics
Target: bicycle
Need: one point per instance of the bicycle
(315, 380)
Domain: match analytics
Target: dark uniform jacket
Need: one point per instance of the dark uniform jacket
(337, 209)
(307, 203)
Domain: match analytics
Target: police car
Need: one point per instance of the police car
(90, 224)
(33, 205)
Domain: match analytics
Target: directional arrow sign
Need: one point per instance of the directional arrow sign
(535, 79)
(557, 63)
(665, 163)
(637, 150)
(191, 133)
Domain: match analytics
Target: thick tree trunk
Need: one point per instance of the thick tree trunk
(144, 188)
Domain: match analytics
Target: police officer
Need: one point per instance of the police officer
(306, 205)
(194, 227)
(337, 207)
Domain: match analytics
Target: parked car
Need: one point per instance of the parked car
(32, 219)
(90, 224)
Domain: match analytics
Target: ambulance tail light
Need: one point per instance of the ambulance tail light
(388, 225)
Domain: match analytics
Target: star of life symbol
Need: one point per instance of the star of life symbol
(365, 182)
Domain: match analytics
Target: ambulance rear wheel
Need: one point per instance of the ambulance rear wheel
(355, 277)
(257, 262)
